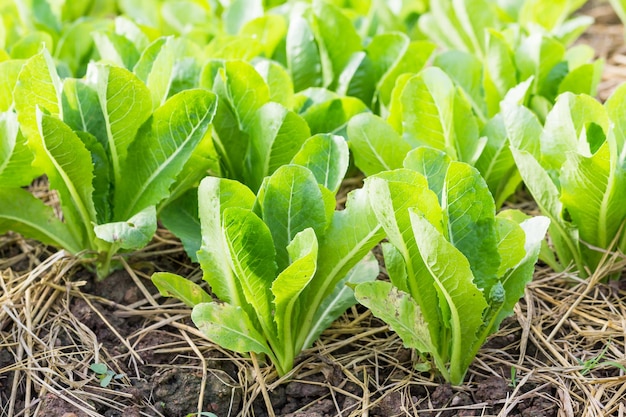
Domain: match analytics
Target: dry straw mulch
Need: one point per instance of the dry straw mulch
(565, 344)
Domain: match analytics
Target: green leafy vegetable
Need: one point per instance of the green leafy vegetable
(15, 156)
(490, 52)
(277, 261)
(110, 158)
(460, 25)
(575, 170)
(431, 111)
(456, 268)
(376, 146)
(324, 49)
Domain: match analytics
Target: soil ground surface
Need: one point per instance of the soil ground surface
(561, 354)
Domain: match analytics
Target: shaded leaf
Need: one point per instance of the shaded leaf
(399, 310)
(342, 297)
(21, 212)
(135, 233)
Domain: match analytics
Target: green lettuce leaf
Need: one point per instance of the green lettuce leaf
(292, 202)
(276, 135)
(515, 279)
(290, 283)
(241, 91)
(10, 71)
(16, 157)
(546, 194)
(230, 327)
(462, 303)
(399, 311)
(172, 285)
(375, 145)
(251, 257)
(135, 233)
(21, 212)
(390, 195)
(303, 55)
(214, 196)
(327, 157)
(337, 37)
(600, 215)
(278, 81)
(162, 147)
(435, 113)
(70, 171)
(496, 163)
(470, 222)
(125, 105)
(38, 86)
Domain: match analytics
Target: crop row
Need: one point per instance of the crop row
(235, 123)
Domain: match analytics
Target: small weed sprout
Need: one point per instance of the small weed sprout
(593, 363)
(104, 374)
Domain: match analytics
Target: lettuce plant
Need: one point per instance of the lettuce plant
(107, 154)
(513, 57)
(427, 109)
(574, 167)
(276, 261)
(455, 106)
(324, 49)
(497, 47)
(260, 125)
(493, 46)
(253, 135)
(456, 268)
(356, 51)
(64, 27)
(460, 25)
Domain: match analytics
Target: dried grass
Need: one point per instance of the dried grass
(567, 335)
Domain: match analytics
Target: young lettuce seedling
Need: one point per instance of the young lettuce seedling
(277, 261)
(456, 268)
(110, 157)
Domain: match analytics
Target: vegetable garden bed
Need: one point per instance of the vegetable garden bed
(75, 345)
